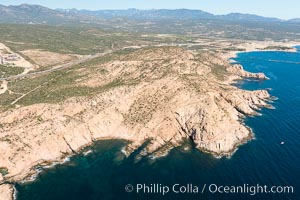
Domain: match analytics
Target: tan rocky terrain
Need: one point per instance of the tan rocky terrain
(162, 94)
(6, 192)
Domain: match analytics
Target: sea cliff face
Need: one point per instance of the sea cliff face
(6, 192)
(176, 95)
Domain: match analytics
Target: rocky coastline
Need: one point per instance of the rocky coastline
(194, 102)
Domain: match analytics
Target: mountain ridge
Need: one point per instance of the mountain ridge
(169, 13)
(29, 13)
(35, 14)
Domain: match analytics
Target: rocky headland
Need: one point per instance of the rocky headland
(163, 95)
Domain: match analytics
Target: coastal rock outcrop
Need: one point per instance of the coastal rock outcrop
(6, 192)
(238, 70)
(176, 95)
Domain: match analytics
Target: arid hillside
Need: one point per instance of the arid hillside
(162, 95)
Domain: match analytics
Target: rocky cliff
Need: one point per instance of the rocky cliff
(170, 95)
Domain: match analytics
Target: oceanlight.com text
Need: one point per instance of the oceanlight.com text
(247, 189)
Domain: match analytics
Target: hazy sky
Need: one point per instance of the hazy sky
(284, 9)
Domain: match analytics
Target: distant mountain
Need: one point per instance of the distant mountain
(179, 14)
(34, 14)
(295, 20)
(246, 17)
(182, 14)
(26, 13)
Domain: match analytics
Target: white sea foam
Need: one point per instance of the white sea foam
(87, 152)
(15, 193)
(124, 152)
(40, 169)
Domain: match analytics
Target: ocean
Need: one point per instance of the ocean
(101, 172)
